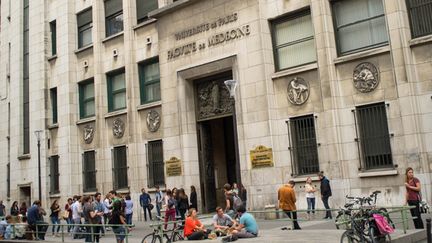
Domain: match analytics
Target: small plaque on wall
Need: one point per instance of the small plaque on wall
(173, 167)
(261, 156)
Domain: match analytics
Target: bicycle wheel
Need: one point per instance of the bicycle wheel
(151, 238)
(376, 237)
(349, 237)
(177, 237)
(342, 221)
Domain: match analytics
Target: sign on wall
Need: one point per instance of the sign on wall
(173, 167)
(261, 156)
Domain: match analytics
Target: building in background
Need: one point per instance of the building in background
(132, 94)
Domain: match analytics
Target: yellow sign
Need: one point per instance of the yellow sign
(173, 167)
(261, 156)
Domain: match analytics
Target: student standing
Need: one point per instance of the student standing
(325, 193)
(310, 197)
(412, 197)
(145, 201)
(287, 200)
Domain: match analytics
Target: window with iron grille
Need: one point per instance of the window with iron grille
(304, 147)
(89, 171)
(120, 168)
(420, 16)
(116, 90)
(359, 25)
(149, 80)
(85, 25)
(54, 174)
(86, 98)
(144, 7)
(156, 173)
(293, 40)
(113, 17)
(53, 94)
(373, 136)
(53, 28)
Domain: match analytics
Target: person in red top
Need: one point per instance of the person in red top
(412, 195)
(193, 228)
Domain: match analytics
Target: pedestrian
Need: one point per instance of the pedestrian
(2, 209)
(326, 192)
(23, 209)
(118, 219)
(243, 194)
(158, 201)
(229, 200)
(68, 214)
(287, 200)
(310, 197)
(76, 215)
(99, 208)
(412, 197)
(35, 220)
(175, 195)
(194, 229)
(183, 203)
(247, 228)
(14, 210)
(107, 209)
(55, 218)
(235, 188)
(193, 198)
(145, 201)
(92, 218)
(129, 209)
(170, 210)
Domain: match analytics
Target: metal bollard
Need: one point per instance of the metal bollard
(428, 230)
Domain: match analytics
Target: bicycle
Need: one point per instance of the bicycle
(158, 234)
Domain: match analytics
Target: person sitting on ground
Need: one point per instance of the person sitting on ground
(248, 227)
(194, 229)
(21, 228)
(9, 231)
(222, 222)
(3, 225)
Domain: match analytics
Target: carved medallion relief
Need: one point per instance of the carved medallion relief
(118, 128)
(366, 77)
(298, 91)
(213, 100)
(88, 133)
(153, 121)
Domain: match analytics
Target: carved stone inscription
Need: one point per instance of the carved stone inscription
(366, 77)
(213, 100)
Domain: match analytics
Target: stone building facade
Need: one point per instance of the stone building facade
(131, 94)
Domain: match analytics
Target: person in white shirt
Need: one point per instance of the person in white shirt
(76, 215)
(310, 197)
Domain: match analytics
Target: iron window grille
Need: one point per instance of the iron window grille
(149, 81)
(116, 90)
(54, 174)
(420, 16)
(144, 7)
(53, 94)
(113, 17)
(373, 138)
(293, 40)
(359, 25)
(85, 26)
(120, 168)
(155, 164)
(89, 171)
(86, 98)
(53, 28)
(303, 145)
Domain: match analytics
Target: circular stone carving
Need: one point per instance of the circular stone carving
(118, 128)
(88, 134)
(298, 91)
(153, 121)
(366, 77)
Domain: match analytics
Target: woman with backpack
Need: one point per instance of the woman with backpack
(170, 209)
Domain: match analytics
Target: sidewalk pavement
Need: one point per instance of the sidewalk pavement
(270, 232)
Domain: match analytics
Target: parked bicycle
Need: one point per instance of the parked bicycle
(158, 234)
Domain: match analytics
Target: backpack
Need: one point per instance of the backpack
(237, 202)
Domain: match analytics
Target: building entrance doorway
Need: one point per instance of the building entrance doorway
(217, 140)
(25, 195)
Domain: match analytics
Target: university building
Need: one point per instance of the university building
(137, 93)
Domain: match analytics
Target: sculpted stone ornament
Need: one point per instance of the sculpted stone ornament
(153, 121)
(298, 91)
(213, 99)
(88, 134)
(118, 128)
(366, 77)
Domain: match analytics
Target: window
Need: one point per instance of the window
(53, 28)
(89, 171)
(85, 25)
(86, 99)
(419, 12)
(120, 178)
(359, 25)
(373, 136)
(53, 94)
(149, 81)
(116, 91)
(144, 7)
(304, 148)
(54, 174)
(156, 173)
(113, 17)
(293, 40)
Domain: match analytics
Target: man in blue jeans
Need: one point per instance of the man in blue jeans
(35, 219)
(145, 201)
(325, 193)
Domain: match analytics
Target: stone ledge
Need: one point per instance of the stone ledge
(86, 120)
(420, 40)
(303, 178)
(24, 157)
(112, 37)
(51, 58)
(295, 70)
(149, 105)
(378, 173)
(362, 54)
(116, 113)
(84, 48)
(53, 126)
(144, 23)
(169, 8)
